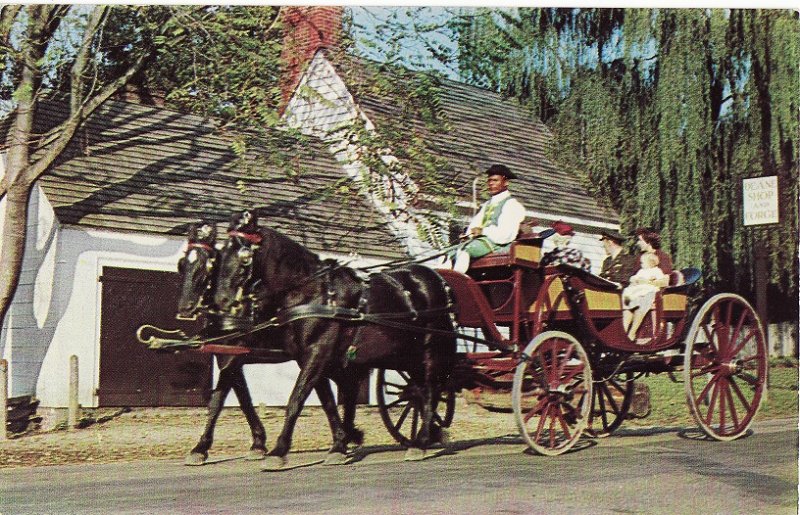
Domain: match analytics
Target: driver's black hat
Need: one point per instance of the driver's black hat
(500, 170)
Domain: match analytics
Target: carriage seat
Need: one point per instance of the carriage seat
(526, 250)
(591, 280)
(682, 279)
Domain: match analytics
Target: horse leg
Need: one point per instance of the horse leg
(337, 455)
(309, 377)
(258, 449)
(199, 454)
(348, 392)
(429, 432)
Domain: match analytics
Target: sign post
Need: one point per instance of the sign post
(760, 207)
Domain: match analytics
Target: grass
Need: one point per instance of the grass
(668, 399)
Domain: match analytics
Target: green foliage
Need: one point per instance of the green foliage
(663, 112)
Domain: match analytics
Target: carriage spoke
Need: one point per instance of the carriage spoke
(615, 384)
(564, 360)
(398, 386)
(563, 424)
(402, 418)
(741, 344)
(710, 412)
(740, 395)
(722, 406)
(704, 392)
(707, 369)
(611, 401)
(734, 415)
(536, 409)
(552, 431)
(395, 403)
(540, 425)
(737, 330)
(709, 335)
(572, 374)
(748, 378)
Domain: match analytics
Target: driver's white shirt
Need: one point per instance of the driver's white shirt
(507, 227)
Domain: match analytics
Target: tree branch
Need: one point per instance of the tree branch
(96, 19)
(8, 14)
(68, 128)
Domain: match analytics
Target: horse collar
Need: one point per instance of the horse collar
(254, 238)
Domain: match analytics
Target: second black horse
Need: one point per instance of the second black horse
(283, 278)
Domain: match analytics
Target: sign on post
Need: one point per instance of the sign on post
(760, 196)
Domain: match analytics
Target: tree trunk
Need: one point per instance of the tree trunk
(12, 245)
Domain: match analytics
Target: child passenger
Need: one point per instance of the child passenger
(639, 296)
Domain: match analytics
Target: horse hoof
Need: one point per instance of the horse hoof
(444, 437)
(255, 454)
(195, 459)
(274, 463)
(337, 458)
(414, 454)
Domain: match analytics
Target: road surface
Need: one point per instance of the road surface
(641, 472)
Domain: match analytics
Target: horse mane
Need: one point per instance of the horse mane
(287, 253)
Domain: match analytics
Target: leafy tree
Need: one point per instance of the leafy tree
(217, 61)
(210, 59)
(663, 112)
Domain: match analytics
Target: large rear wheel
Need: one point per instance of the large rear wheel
(400, 402)
(552, 393)
(725, 366)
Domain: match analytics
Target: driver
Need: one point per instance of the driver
(497, 222)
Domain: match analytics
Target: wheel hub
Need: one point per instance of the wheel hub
(731, 367)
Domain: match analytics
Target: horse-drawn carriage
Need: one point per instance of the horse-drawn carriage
(553, 340)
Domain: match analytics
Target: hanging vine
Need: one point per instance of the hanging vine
(663, 112)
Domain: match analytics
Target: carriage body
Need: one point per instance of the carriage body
(569, 364)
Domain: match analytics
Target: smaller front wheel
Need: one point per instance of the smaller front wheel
(552, 393)
(400, 402)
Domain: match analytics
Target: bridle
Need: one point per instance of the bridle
(205, 301)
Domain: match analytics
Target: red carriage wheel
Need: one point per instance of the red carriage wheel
(400, 404)
(725, 366)
(552, 392)
(611, 402)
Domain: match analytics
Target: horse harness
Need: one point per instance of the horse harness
(330, 310)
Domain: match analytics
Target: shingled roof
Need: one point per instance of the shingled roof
(152, 170)
(488, 129)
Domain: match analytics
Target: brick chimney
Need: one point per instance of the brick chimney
(306, 30)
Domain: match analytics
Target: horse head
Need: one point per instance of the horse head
(234, 278)
(258, 265)
(196, 268)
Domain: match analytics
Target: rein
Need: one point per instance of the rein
(397, 263)
(394, 320)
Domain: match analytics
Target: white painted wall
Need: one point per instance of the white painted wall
(56, 311)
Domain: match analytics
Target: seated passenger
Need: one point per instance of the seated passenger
(563, 253)
(649, 241)
(638, 298)
(497, 222)
(619, 265)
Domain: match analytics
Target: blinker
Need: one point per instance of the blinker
(245, 256)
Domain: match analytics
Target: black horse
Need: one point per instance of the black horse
(283, 277)
(197, 271)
